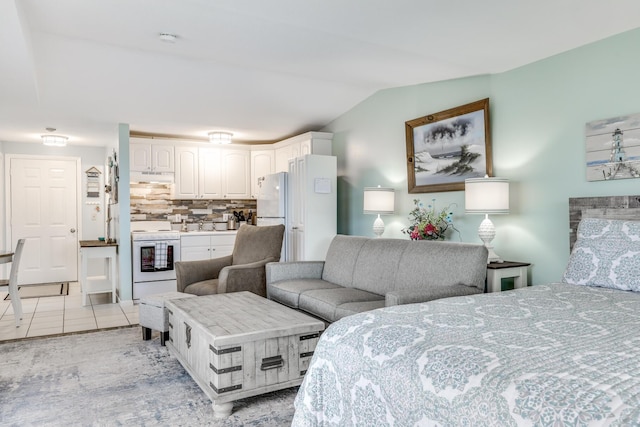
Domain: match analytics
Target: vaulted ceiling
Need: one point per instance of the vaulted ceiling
(264, 70)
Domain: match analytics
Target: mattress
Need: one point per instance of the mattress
(556, 354)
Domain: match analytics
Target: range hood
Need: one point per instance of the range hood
(162, 177)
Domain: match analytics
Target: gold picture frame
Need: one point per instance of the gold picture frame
(445, 148)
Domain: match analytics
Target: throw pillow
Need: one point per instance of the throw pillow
(606, 254)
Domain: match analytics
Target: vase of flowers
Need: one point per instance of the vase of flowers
(427, 223)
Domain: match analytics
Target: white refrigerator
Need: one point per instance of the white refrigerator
(312, 210)
(272, 204)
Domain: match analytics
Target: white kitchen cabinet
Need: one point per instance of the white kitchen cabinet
(187, 181)
(262, 163)
(198, 173)
(307, 143)
(286, 153)
(198, 246)
(210, 172)
(236, 173)
(312, 208)
(151, 157)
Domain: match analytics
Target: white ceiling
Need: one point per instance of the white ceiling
(262, 69)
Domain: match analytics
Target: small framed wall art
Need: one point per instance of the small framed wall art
(445, 148)
(613, 148)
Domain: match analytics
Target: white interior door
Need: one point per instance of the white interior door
(44, 210)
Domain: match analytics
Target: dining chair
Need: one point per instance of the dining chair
(13, 282)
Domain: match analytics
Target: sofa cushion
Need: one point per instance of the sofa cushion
(341, 259)
(427, 263)
(323, 302)
(350, 308)
(288, 292)
(377, 265)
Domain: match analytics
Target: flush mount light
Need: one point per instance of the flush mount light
(168, 38)
(54, 140)
(220, 137)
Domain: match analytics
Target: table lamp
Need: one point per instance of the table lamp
(379, 201)
(487, 196)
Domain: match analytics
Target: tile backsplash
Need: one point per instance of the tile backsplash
(153, 202)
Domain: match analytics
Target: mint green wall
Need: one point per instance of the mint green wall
(538, 113)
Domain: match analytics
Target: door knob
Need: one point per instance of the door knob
(73, 230)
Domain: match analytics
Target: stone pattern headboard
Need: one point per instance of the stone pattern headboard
(608, 207)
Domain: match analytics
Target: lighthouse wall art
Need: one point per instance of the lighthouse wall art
(613, 148)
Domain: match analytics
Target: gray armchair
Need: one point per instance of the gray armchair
(243, 270)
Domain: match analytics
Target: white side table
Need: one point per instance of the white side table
(98, 284)
(496, 271)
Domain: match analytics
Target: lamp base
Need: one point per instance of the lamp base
(493, 257)
(487, 231)
(378, 226)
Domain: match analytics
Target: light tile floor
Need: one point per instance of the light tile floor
(64, 314)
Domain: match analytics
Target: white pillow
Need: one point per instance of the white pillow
(606, 254)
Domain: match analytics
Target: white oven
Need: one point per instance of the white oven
(154, 254)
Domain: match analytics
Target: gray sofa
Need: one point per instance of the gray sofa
(361, 274)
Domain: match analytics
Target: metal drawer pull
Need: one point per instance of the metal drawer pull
(187, 331)
(308, 337)
(274, 362)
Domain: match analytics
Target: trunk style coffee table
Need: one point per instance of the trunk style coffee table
(239, 344)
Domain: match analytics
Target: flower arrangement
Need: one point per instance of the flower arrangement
(427, 223)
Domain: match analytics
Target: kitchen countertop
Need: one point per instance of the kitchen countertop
(207, 233)
(96, 243)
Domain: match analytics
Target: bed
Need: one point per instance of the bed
(557, 354)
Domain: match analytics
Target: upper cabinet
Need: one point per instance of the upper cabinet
(148, 156)
(198, 174)
(236, 173)
(205, 172)
(307, 143)
(262, 163)
(210, 173)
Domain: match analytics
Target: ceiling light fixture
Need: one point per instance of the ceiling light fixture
(220, 137)
(168, 38)
(54, 140)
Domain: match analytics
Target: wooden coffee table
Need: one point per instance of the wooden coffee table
(239, 344)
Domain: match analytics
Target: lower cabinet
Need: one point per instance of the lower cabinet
(206, 246)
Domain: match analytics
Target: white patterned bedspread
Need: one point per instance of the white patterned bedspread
(547, 355)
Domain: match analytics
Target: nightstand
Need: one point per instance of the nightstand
(496, 271)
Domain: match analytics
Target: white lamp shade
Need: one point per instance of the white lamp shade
(486, 195)
(379, 200)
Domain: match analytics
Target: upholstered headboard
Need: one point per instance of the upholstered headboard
(608, 207)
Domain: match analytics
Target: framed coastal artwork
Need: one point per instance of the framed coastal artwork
(445, 148)
(613, 148)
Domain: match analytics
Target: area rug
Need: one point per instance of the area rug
(113, 378)
(44, 290)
